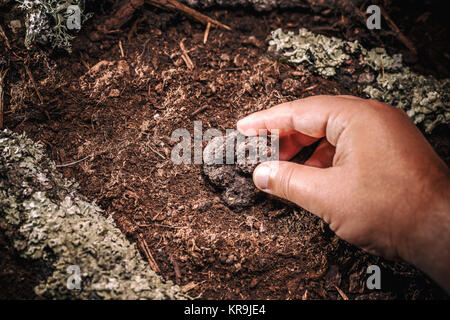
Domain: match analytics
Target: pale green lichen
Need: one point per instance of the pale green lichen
(47, 221)
(425, 99)
(46, 22)
(324, 54)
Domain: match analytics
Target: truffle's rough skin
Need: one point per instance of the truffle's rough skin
(48, 222)
(425, 99)
(46, 22)
(234, 180)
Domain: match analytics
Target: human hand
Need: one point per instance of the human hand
(374, 178)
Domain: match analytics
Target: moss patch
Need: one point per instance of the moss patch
(48, 221)
(425, 99)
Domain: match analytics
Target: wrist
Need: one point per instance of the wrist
(427, 245)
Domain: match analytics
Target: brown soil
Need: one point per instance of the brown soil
(120, 111)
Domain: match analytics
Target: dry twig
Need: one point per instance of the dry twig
(158, 153)
(148, 254)
(176, 268)
(400, 36)
(175, 5)
(2, 79)
(341, 293)
(205, 36)
(30, 75)
(188, 287)
(121, 16)
(127, 7)
(122, 54)
(71, 163)
(185, 56)
(3, 34)
(311, 87)
(197, 111)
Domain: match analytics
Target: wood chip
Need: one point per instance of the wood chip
(2, 80)
(205, 36)
(176, 268)
(3, 34)
(305, 295)
(122, 54)
(341, 293)
(148, 254)
(185, 56)
(189, 286)
(311, 87)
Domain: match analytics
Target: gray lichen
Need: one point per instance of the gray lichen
(46, 22)
(47, 221)
(425, 99)
(323, 54)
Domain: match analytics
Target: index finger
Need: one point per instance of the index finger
(316, 116)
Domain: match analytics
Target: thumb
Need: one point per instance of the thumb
(314, 189)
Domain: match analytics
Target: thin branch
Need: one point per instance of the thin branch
(3, 34)
(205, 36)
(30, 75)
(148, 254)
(2, 79)
(71, 163)
(185, 56)
(175, 5)
(400, 36)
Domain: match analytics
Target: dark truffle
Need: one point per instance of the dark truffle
(234, 181)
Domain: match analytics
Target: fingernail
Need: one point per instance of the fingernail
(261, 176)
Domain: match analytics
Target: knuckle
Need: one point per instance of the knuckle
(402, 112)
(286, 182)
(377, 105)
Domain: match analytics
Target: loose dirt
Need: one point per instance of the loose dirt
(120, 109)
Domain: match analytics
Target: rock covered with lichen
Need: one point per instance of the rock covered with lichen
(48, 21)
(425, 99)
(47, 221)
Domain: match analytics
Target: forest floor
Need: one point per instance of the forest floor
(115, 102)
